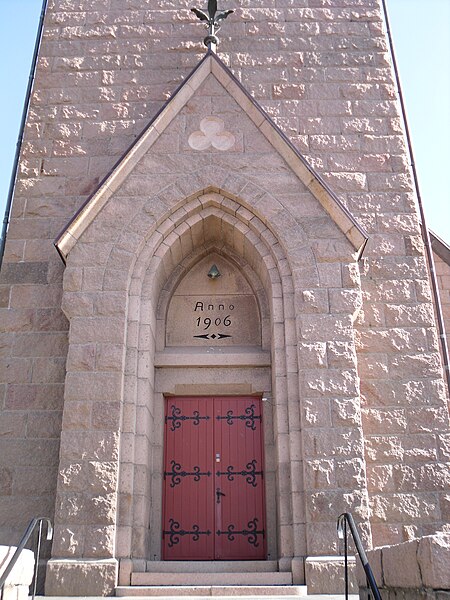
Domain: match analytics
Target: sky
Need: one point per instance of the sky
(421, 34)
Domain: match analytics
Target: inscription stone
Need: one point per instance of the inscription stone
(219, 312)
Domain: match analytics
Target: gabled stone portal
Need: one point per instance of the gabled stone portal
(229, 190)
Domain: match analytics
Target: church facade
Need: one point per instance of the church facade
(218, 322)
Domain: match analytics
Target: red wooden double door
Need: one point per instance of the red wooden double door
(213, 479)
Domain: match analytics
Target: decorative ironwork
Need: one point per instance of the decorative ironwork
(176, 473)
(175, 533)
(213, 22)
(249, 417)
(250, 474)
(177, 418)
(251, 533)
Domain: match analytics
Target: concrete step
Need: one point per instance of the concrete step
(211, 579)
(210, 566)
(200, 591)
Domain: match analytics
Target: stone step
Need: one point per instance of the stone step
(210, 566)
(225, 596)
(169, 591)
(211, 579)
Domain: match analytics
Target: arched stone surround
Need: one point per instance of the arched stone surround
(113, 288)
(230, 372)
(208, 228)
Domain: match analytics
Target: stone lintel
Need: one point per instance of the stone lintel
(215, 358)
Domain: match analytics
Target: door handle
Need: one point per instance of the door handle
(218, 495)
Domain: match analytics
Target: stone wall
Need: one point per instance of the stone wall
(413, 570)
(17, 584)
(105, 68)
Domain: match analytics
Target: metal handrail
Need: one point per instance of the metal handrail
(26, 536)
(342, 521)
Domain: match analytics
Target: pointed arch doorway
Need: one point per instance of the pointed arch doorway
(213, 498)
(173, 362)
(213, 481)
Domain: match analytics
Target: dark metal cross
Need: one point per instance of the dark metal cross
(213, 21)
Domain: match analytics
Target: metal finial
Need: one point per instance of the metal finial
(213, 22)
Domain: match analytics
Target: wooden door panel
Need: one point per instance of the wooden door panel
(240, 516)
(188, 521)
(213, 479)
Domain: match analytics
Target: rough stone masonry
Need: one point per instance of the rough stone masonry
(348, 354)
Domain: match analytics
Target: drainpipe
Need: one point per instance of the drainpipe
(26, 106)
(425, 232)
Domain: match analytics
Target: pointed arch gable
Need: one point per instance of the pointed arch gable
(211, 66)
(122, 237)
(208, 220)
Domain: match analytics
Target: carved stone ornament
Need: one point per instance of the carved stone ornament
(212, 133)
